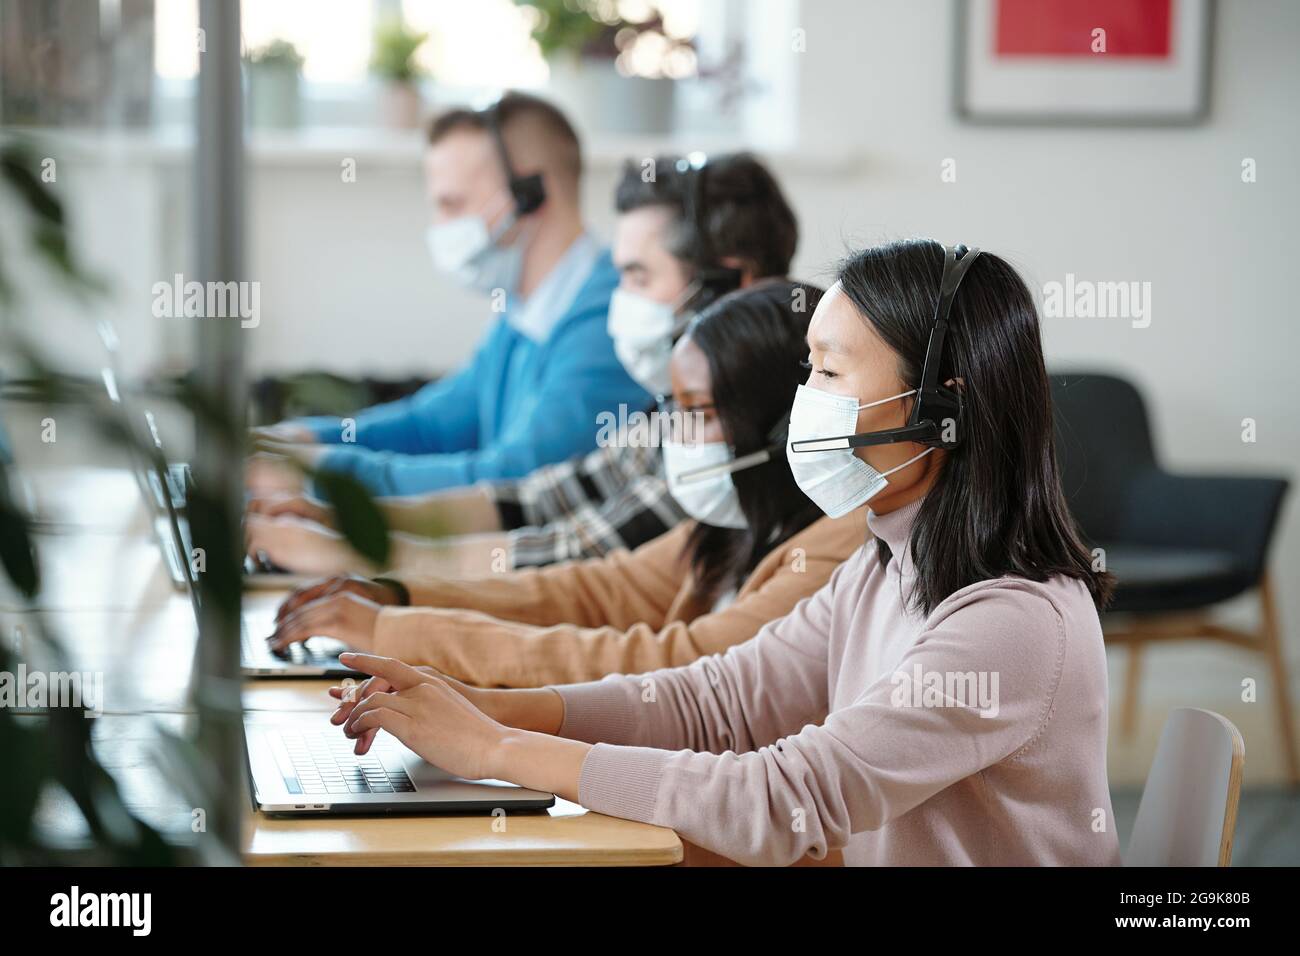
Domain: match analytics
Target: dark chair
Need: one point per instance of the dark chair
(1177, 544)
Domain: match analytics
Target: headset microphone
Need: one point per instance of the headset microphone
(936, 419)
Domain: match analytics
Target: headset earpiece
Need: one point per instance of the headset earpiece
(937, 406)
(714, 279)
(528, 192)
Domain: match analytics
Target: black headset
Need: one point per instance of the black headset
(937, 413)
(715, 280)
(528, 192)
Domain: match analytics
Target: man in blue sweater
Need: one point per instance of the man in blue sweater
(504, 184)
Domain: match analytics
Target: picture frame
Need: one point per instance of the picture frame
(1037, 62)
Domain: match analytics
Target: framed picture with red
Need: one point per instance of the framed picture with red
(1098, 62)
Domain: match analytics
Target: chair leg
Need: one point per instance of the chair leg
(1272, 635)
(1132, 679)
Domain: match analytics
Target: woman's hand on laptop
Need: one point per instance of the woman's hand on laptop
(375, 591)
(429, 713)
(457, 727)
(343, 615)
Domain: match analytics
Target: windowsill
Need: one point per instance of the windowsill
(324, 145)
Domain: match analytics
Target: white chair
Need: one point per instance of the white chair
(1188, 810)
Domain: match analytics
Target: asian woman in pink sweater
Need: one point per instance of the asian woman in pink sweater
(942, 700)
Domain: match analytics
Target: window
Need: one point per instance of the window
(483, 44)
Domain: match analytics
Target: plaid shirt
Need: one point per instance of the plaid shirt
(614, 497)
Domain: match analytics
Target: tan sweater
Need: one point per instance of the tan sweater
(627, 612)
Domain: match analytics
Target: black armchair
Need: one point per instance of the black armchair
(1177, 544)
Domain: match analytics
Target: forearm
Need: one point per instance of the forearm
(461, 556)
(439, 514)
(539, 709)
(540, 762)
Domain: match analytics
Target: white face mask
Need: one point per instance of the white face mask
(836, 480)
(466, 249)
(709, 500)
(642, 330)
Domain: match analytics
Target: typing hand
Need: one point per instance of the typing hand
(350, 692)
(298, 545)
(346, 617)
(283, 432)
(296, 505)
(269, 474)
(338, 584)
(426, 712)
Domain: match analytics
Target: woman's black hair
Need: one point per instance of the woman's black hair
(996, 507)
(754, 341)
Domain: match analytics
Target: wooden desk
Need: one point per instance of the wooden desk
(112, 605)
(566, 835)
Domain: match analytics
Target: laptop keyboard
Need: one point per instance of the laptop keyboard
(325, 763)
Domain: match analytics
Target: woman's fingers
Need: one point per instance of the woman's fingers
(397, 673)
(394, 700)
(351, 694)
(400, 725)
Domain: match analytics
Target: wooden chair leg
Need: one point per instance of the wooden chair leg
(1272, 637)
(1132, 679)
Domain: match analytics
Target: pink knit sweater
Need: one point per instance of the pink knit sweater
(972, 735)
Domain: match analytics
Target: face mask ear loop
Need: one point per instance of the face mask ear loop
(508, 223)
(915, 458)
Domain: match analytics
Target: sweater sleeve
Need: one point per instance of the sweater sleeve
(486, 651)
(441, 417)
(580, 378)
(868, 763)
(618, 590)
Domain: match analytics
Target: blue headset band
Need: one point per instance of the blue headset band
(934, 402)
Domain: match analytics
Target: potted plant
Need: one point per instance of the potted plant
(618, 74)
(392, 59)
(273, 84)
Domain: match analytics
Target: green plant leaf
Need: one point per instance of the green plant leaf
(27, 768)
(18, 168)
(359, 519)
(17, 553)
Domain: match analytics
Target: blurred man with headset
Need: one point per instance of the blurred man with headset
(504, 185)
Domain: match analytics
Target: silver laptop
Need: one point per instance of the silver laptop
(154, 487)
(302, 764)
(317, 657)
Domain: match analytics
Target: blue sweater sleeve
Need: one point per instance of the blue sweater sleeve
(441, 417)
(582, 377)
